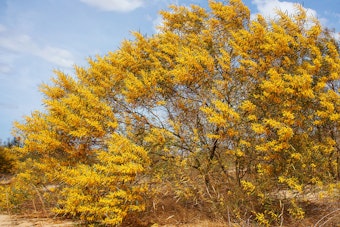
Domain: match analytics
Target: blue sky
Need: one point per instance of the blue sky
(38, 36)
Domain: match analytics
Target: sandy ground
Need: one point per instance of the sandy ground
(9, 221)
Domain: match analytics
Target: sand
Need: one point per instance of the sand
(9, 221)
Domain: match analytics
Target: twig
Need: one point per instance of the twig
(35, 208)
(7, 203)
(229, 222)
(334, 211)
(40, 198)
(248, 220)
(281, 215)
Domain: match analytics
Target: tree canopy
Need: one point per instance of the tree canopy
(230, 112)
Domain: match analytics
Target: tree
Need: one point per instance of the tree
(7, 158)
(231, 111)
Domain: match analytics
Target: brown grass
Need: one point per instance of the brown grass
(168, 211)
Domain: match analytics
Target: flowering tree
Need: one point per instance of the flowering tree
(231, 111)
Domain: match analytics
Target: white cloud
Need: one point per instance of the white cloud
(336, 36)
(17, 43)
(24, 44)
(55, 55)
(115, 5)
(6, 62)
(268, 8)
(158, 22)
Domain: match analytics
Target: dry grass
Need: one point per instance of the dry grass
(316, 217)
(169, 212)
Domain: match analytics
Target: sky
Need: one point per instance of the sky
(40, 36)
